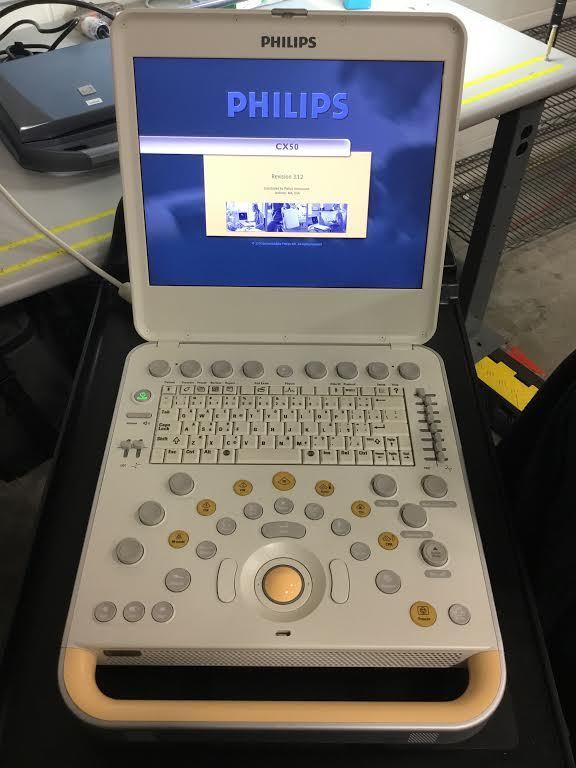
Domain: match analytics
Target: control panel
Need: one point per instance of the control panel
(283, 505)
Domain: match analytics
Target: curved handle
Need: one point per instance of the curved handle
(479, 699)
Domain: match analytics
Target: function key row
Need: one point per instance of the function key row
(254, 369)
(338, 390)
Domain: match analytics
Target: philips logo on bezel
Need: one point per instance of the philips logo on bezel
(280, 41)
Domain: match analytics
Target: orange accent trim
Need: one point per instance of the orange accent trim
(485, 672)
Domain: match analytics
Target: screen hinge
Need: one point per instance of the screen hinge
(288, 12)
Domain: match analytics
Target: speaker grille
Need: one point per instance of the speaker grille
(267, 657)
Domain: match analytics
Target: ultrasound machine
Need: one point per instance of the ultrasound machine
(283, 484)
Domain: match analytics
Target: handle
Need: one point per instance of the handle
(478, 700)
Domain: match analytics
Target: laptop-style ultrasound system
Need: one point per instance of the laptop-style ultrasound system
(283, 484)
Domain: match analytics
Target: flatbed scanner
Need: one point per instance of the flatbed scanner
(57, 109)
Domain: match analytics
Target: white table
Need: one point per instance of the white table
(505, 74)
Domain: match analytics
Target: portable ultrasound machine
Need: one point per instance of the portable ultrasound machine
(283, 484)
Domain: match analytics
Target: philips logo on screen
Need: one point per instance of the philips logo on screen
(280, 41)
(276, 104)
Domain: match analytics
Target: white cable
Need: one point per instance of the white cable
(123, 288)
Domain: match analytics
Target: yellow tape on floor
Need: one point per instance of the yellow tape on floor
(62, 228)
(33, 261)
(502, 379)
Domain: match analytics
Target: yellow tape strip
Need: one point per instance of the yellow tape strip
(81, 245)
(511, 84)
(62, 228)
(504, 71)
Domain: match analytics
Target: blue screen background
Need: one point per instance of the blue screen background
(393, 113)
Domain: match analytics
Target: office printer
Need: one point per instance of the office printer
(57, 109)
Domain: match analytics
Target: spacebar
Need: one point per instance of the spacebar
(266, 456)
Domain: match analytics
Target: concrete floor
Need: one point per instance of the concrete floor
(533, 303)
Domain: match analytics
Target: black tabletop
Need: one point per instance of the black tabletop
(37, 728)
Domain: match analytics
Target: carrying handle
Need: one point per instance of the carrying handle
(482, 694)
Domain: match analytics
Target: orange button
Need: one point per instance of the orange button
(283, 481)
(324, 488)
(388, 540)
(283, 584)
(423, 614)
(361, 508)
(242, 487)
(206, 507)
(178, 539)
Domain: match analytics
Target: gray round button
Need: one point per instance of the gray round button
(222, 369)
(377, 370)
(360, 551)
(180, 483)
(414, 515)
(434, 486)
(434, 553)
(151, 513)
(253, 369)
(162, 611)
(205, 550)
(133, 611)
(190, 369)
(315, 370)
(347, 370)
(226, 526)
(253, 510)
(129, 551)
(284, 371)
(159, 368)
(283, 506)
(340, 526)
(409, 371)
(177, 580)
(314, 511)
(384, 485)
(459, 614)
(105, 611)
(388, 582)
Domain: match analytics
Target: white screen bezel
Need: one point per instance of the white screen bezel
(262, 314)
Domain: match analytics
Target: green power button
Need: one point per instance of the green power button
(142, 395)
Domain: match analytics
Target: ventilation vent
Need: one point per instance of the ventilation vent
(422, 738)
(266, 657)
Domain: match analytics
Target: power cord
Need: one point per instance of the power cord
(123, 288)
(72, 25)
(32, 23)
(19, 50)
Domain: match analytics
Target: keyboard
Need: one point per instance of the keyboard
(285, 424)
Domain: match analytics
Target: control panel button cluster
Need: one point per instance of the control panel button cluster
(255, 369)
(283, 583)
